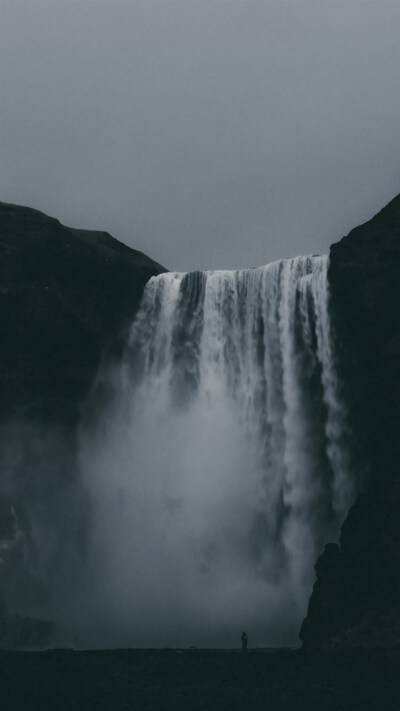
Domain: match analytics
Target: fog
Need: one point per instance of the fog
(216, 473)
(43, 519)
(210, 467)
(207, 134)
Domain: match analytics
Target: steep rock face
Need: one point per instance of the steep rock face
(65, 297)
(356, 598)
(365, 284)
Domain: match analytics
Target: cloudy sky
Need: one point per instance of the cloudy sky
(207, 133)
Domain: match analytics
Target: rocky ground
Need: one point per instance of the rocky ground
(199, 680)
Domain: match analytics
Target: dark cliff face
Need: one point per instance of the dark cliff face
(65, 297)
(365, 285)
(356, 599)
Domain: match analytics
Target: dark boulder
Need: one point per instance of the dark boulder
(18, 632)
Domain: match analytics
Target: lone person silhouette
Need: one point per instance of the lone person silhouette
(244, 641)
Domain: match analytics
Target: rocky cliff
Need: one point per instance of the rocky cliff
(356, 598)
(65, 297)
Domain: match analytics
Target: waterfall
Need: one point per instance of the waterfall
(219, 469)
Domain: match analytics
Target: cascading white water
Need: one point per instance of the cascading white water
(219, 469)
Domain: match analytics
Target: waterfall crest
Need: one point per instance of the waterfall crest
(220, 468)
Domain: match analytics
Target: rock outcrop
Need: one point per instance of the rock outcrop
(356, 598)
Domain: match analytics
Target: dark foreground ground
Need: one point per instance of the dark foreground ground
(206, 680)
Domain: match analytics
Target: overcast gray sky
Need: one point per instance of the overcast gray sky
(209, 134)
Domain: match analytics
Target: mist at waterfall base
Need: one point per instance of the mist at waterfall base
(218, 469)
